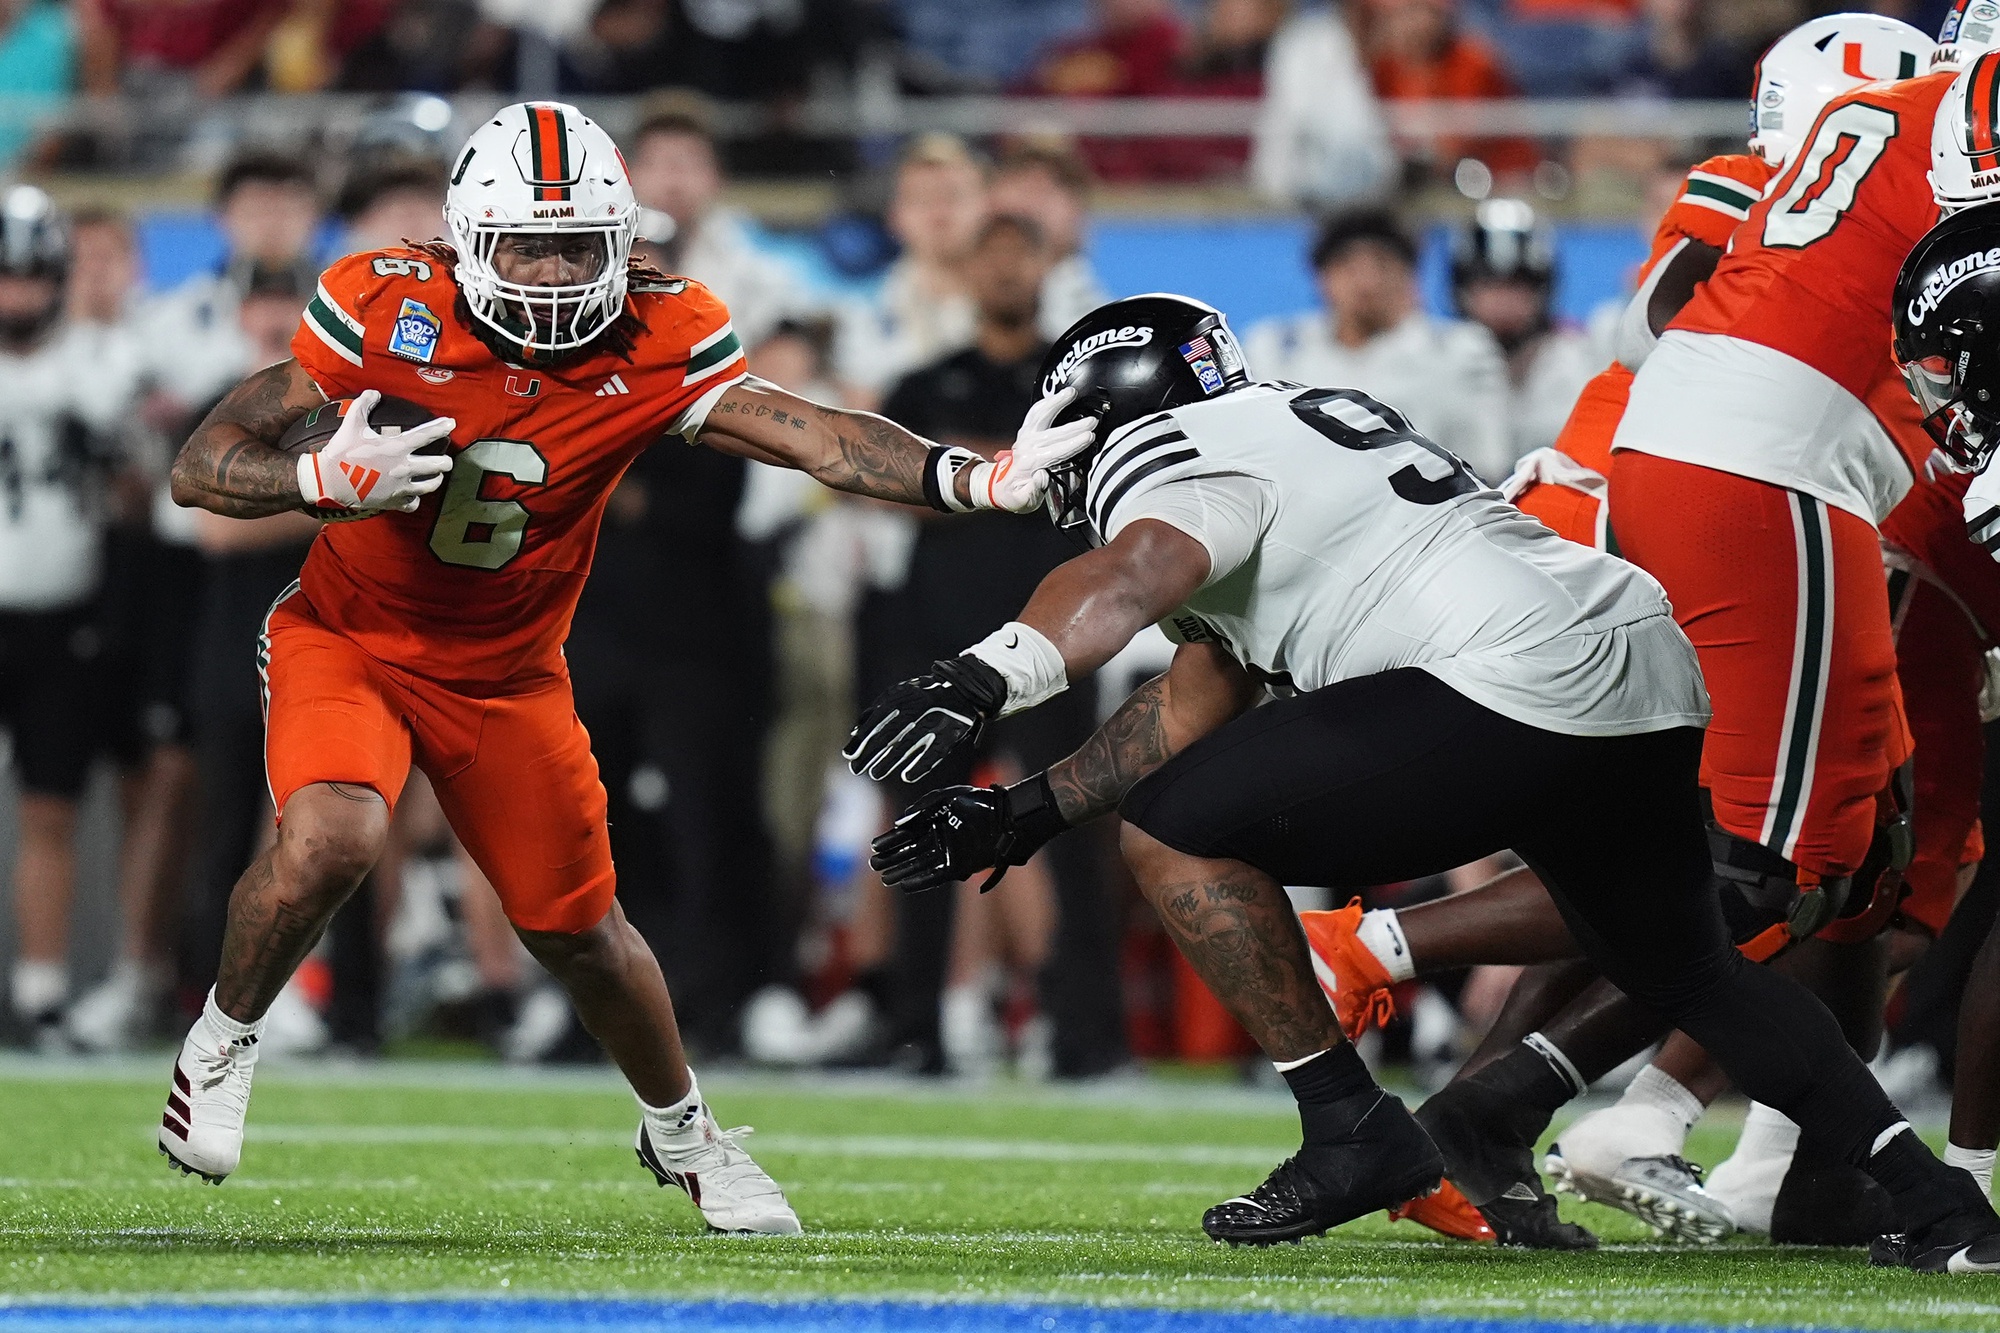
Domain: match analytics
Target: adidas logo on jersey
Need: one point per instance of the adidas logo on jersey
(612, 387)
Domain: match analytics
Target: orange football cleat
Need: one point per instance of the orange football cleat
(1353, 978)
(1447, 1212)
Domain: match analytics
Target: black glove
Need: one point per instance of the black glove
(954, 832)
(909, 730)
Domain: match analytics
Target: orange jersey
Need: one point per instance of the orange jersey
(1717, 195)
(1810, 273)
(476, 588)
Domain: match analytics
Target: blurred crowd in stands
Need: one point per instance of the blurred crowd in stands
(737, 615)
(1322, 69)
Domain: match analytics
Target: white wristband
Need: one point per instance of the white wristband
(1027, 661)
(310, 489)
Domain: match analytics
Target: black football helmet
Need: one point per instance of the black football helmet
(1947, 320)
(1129, 359)
(1505, 240)
(33, 244)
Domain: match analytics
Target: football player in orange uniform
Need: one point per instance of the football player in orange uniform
(431, 633)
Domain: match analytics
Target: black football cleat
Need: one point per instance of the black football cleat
(1383, 1159)
(1493, 1165)
(1958, 1244)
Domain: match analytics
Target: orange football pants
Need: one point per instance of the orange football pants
(514, 772)
(1785, 601)
(1941, 663)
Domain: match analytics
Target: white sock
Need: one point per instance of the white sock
(1382, 935)
(1767, 1133)
(1979, 1161)
(39, 987)
(675, 1119)
(234, 1032)
(1663, 1092)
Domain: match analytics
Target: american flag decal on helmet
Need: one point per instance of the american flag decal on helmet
(1196, 348)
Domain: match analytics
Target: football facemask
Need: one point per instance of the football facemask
(542, 168)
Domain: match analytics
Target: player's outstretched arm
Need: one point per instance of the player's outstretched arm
(229, 465)
(956, 832)
(1085, 610)
(865, 454)
(1204, 688)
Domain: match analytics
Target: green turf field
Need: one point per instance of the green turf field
(411, 1179)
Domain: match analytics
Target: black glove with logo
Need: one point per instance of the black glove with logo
(909, 730)
(955, 832)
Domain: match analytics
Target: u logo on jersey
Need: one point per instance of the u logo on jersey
(524, 387)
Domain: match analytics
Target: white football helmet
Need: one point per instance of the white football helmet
(1970, 28)
(541, 167)
(1817, 62)
(1965, 139)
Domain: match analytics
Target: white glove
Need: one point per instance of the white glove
(1982, 511)
(1018, 478)
(363, 470)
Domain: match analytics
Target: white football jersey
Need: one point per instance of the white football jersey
(1346, 544)
(60, 406)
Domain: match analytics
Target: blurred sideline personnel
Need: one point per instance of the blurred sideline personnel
(1839, 721)
(676, 173)
(153, 599)
(428, 628)
(65, 391)
(1048, 182)
(1503, 276)
(922, 310)
(1472, 683)
(1374, 335)
(962, 576)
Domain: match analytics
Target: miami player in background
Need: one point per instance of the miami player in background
(1568, 487)
(431, 633)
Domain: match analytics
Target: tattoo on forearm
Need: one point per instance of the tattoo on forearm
(876, 457)
(266, 939)
(228, 465)
(1241, 936)
(1131, 743)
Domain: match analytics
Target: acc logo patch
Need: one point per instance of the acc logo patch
(415, 334)
(434, 374)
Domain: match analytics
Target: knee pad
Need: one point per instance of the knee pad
(1762, 899)
(1879, 885)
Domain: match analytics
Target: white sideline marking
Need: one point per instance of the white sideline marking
(856, 1145)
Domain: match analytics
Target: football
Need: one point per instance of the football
(309, 434)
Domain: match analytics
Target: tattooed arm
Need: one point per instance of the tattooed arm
(228, 466)
(849, 451)
(1203, 689)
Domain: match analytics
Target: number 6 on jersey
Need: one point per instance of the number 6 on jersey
(473, 530)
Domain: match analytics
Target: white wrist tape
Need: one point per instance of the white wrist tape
(943, 467)
(1027, 661)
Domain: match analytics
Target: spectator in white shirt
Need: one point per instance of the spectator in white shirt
(676, 173)
(1503, 276)
(1321, 140)
(1048, 182)
(922, 310)
(1446, 375)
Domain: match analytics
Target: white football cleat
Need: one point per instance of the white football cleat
(1663, 1192)
(732, 1191)
(202, 1129)
(117, 1014)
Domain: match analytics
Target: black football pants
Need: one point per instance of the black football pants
(1394, 776)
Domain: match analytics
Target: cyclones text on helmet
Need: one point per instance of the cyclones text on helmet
(1947, 333)
(1129, 359)
(542, 168)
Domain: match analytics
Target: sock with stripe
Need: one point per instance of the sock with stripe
(671, 1121)
(232, 1031)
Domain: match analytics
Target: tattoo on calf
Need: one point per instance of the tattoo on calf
(266, 940)
(1241, 936)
